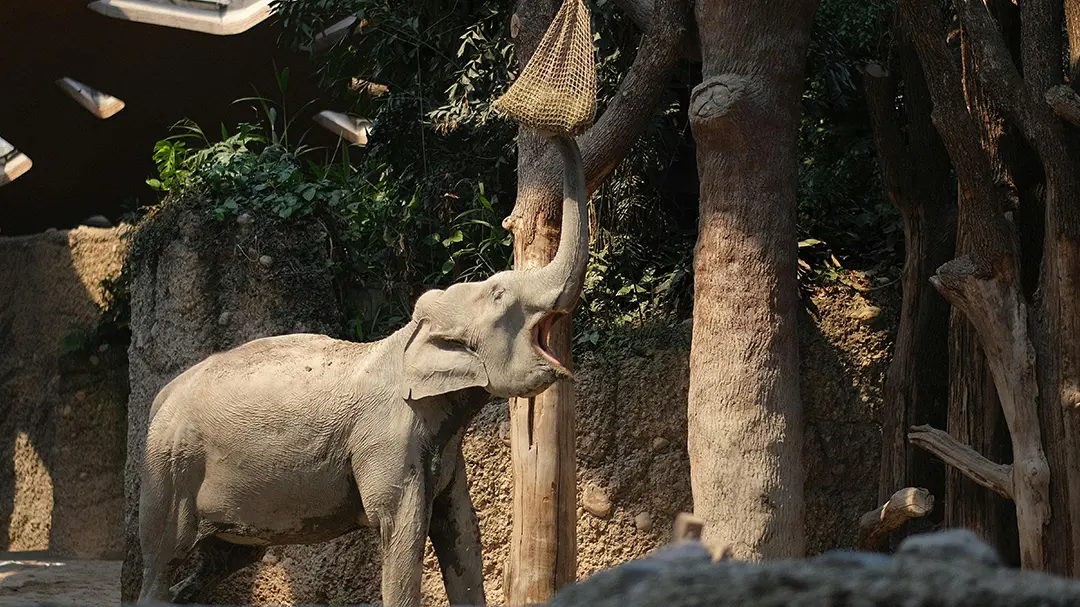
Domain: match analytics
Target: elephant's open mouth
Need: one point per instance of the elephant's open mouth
(543, 344)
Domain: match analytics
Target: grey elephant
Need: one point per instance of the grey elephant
(298, 439)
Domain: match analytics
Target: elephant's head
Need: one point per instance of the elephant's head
(494, 334)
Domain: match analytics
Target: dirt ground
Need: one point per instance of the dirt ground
(28, 578)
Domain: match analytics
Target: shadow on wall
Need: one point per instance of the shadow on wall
(85, 166)
(62, 414)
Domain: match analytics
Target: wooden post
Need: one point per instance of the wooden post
(543, 540)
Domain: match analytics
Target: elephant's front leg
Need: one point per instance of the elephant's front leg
(402, 535)
(455, 535)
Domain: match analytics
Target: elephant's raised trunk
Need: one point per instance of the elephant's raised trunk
(564, 277)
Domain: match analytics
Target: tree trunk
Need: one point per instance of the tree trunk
(1034, 359)
(916, 174)
(744, 414)
(543, 542)
(975, 414)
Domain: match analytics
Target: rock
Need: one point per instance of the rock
(224, 318)
(66, 411)
(83, 476)
(866, 313)
(244, 219)
(80, 396)
(660, 443)
(270, 559)
(947, 569)
(94, 360)
(266, 260)
(643, 522)
(103, 348)
(596, 502)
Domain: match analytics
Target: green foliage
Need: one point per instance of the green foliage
(437, 137)
(388, 237)
(841, 202)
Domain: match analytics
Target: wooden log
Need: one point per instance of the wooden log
(904, 505)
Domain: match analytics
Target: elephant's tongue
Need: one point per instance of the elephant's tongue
(543, 334)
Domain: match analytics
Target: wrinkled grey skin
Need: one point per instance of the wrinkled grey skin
(302, 438)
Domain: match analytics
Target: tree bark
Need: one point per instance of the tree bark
(543, 543)
(916, 174)
(744, 413)
(975, 416)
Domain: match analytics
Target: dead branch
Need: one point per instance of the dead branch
(995, 477)
(1065, 103)
(904, 505)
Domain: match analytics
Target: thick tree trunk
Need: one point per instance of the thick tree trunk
(916, 174)
(543, 542)
(975, 415)
(744, 414)
(1037, 386)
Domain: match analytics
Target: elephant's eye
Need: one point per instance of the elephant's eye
(497, 293)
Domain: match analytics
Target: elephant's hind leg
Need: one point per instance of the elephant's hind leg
(167, 532)
(217, 560)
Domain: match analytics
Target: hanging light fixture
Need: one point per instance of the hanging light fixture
(218, 17)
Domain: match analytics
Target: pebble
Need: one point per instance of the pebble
(66, 411)
(244, 219)
(270, 558)
(103, 348)
(80, 396)
(643, 522)
(596, 502)
(224, 318)
(266, 260)
(83, 476)
(660, 443)
(94, 360)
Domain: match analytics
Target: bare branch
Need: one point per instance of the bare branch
(995, 477)
(1065, 103)
(904, 505)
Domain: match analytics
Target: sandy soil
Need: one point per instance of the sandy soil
(28, 578)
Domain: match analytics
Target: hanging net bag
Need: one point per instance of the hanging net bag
(556, 92)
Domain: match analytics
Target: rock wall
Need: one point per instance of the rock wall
(61, 410)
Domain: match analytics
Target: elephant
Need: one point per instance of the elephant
(300, 438)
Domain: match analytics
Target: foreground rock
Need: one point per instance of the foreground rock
(946, 569)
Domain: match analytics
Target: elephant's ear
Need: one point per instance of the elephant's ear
(434, 365)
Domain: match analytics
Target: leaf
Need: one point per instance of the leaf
(309, 193)
(809, 242)
(457, 236)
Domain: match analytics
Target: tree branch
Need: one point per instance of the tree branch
(904, 505)
(1001, 80)
(640, 13)
(1065, 103)
(995, 477)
